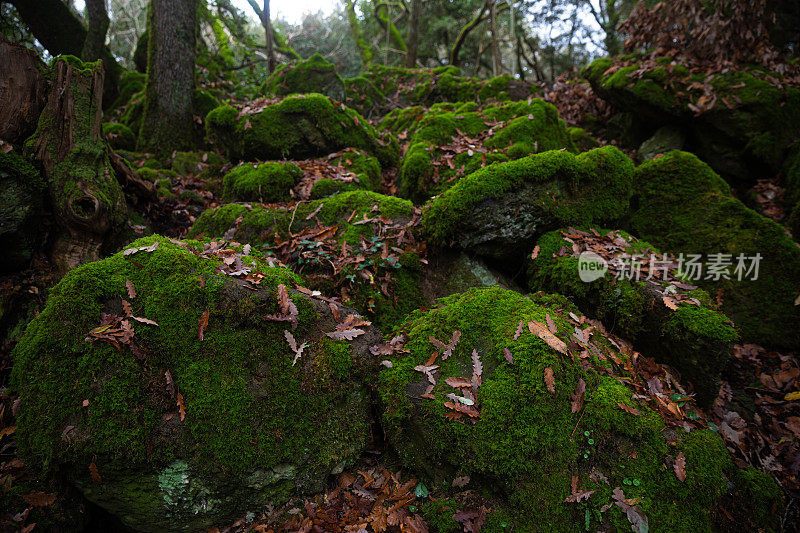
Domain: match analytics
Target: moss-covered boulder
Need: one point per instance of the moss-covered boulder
(682, 206)
(497, 407)
(119, 136)
(297, 127)
(738, 121)
(500, 210)
(359, 244)
(312, 75)
(261, 182)
(452, 140)
(179, 384)
(22, 193)
(359, 171)
(664, 140)
(664, 318)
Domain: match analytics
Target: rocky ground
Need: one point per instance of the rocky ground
(357, 306)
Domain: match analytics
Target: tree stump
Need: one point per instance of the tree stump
(23, 91)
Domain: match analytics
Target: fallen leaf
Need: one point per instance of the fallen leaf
(670, 303)
(541, 331)
(549, 380)
(39, 499)
(507, 354)
(627, 409)
(680, 467)
(203, 324)
(131, 290)
(94, 473)
(348, 334)
(577, 396)
(181, 408)
(535, 252)
(579, 496)
(461, 481)
(144, 320)
(792, 396)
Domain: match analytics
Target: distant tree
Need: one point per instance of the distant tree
(266, 22)
(167, 122)
(97, 18)
(413, 33)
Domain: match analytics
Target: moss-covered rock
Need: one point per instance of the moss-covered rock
(524, 444)
(22, 193)
(119, 136)
(261, 182)
(298, 127)
(130, 83)
(452, 140)
(501, 209)
(693, 338)
(738, 121)
(312, 75)
(684, 207)
(345, 243)
(362, 171)
(182, 427)
(581, 139)
(664, 140)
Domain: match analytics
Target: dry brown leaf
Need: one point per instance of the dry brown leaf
(131, 290)
(203, 324)
(550, 380)
(181, 408)
(39, 499)
(680, 467)
(541, 331)
(94, 473)
(348, 334)
(577, 396)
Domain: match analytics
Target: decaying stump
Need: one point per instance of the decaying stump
(87, 200)
(23, 91)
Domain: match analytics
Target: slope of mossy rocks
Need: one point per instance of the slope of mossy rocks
(452, 140)
(499, 211)
(358, 244)
(22, 193)
(382, 89)
(682, 206)
(312, 75)
(749, 125)
(199, 412)
(692, 337)
(298, 127)
(266, 182)
(518, 439)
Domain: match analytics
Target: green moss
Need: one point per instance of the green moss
(298, 127)
(553, 188)
(527, 444)
(22, 194)
(259, 224)
(249, 411)
(312, 75)
(119, 136)
(265, 182)
(581, 139)
(540, 129)
(684, 207)
(204, 102)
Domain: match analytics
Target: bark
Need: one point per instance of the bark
(497, 65)
(61, 32)
(413, 33)
(364, 49)
(465, 31)
(514, 41)
(263, 14)
(383, 15)
(95, 41)
(140, 53)
(167, 122)
(23, 91)
(88, 203)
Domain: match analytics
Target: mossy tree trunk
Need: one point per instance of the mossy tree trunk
(23, 91)
(167, 122)
(413, 33)
(364, 49)
(95, 41)
(87, 200)
(61, 32)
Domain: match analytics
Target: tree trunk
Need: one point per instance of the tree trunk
(61, 32)
(23, 91)
(413, 33)
(497, 66)
(514, 43)
(364, 49)
(95, 41)
(383, 14)
(167, 122)
(87, 201)
(266, 21)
